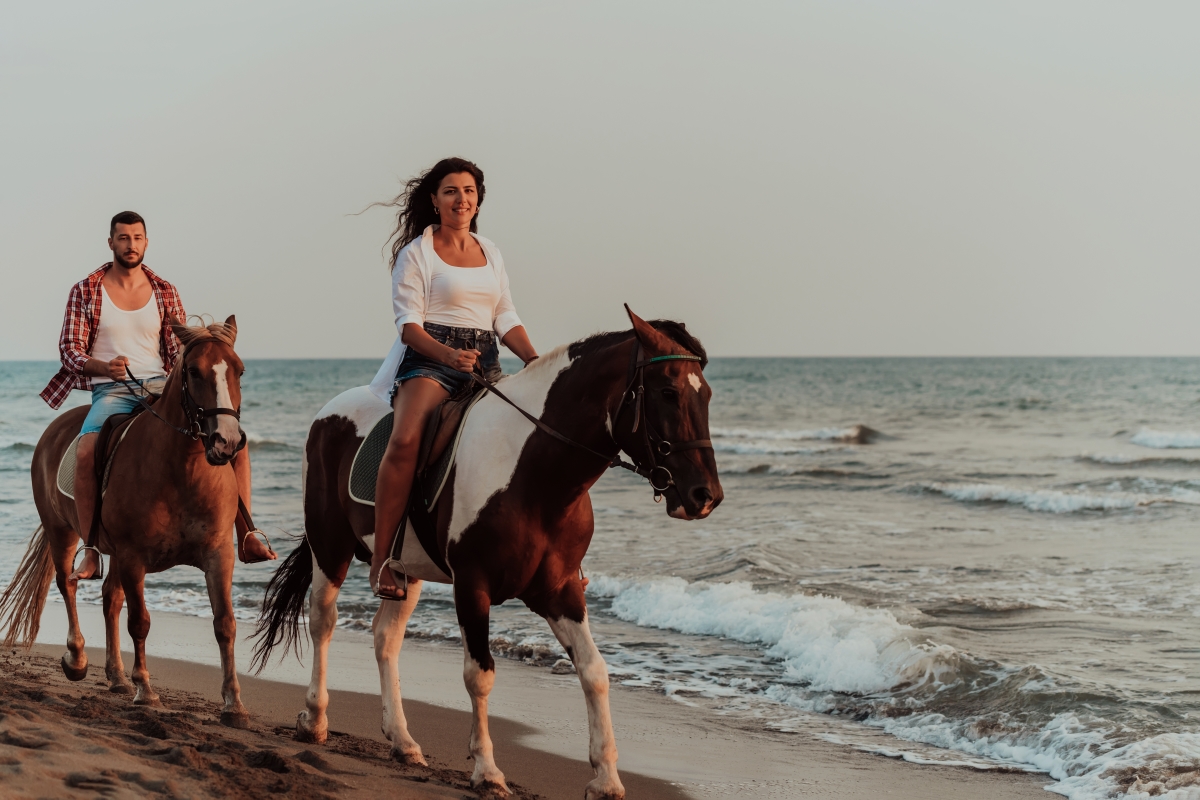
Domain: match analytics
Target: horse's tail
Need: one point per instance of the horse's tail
(22, 602)
(283, 605)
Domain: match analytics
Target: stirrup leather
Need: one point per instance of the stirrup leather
(100, 561)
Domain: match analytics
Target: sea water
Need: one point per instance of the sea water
(990, 562)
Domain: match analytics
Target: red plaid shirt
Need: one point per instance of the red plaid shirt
(82, 320)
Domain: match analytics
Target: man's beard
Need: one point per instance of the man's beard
(127, 264)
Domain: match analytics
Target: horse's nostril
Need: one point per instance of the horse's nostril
(701, 496)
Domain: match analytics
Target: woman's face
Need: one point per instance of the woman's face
(457, 200)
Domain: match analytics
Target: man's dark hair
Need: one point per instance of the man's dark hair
(125, 218)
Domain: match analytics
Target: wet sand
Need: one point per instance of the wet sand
(667, 749)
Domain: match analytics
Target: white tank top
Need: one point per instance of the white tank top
(462, 297)
(133, 334)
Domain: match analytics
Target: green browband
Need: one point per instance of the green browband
(671, 358)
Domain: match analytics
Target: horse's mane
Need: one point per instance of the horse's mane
(675, 331)
(214, 331)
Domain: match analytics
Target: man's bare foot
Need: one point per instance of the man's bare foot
(384, 585)
(254, 550)
(89, 569)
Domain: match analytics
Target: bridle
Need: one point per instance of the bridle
(656, 473)
(193, 412)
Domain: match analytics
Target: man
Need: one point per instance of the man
(116, 323)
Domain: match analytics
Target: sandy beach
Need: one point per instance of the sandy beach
(76, 740)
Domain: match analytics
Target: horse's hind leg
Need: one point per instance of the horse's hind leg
(479, 675)
(114, 599)
(388, 627)
(75, 660)
(311, 724)
(220, 587)
(132, 580)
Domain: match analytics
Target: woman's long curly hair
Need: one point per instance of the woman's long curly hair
(416, 203)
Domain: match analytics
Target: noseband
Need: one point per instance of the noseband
(657, 474)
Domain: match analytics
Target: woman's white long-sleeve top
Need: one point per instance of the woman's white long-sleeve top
(411, 275)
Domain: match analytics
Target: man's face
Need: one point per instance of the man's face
(128, 244)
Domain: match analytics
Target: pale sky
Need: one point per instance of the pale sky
(794, 178)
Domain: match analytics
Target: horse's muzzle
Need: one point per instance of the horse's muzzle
(220, 451)
(695, 503)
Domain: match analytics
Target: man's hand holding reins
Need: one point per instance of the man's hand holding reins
(113, 370)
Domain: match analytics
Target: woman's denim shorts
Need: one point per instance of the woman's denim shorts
(115, 398)
(415, 365)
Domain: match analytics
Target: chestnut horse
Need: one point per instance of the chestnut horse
(514, 519)
(171, 499)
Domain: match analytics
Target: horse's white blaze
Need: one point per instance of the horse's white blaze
(227, 426)
(694, 380)
(359, 405)
(593, 676)
(494, 435)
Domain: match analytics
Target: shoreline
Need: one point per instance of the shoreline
(667, 748)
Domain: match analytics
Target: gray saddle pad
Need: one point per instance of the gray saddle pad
(365, 469)
(66, 467)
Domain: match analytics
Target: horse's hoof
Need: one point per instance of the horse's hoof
(235, 719)
(604, 791)
(72, 673)
(491, 788)
(307, 733)
(414, 758)
(148, 700)
(121, 688)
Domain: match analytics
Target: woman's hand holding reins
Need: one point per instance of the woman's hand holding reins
(461, 360)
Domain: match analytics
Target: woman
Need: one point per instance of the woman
(450, 294)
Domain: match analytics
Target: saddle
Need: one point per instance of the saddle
(436, 456)
(439, 446)
(112, 433)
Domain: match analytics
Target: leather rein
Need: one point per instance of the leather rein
(658, 475)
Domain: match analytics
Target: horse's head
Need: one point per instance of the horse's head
(674, 411)
(211, 375)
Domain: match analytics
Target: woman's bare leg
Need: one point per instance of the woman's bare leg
(415, 400)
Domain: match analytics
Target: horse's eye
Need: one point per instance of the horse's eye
(195, 373)
(670, 393)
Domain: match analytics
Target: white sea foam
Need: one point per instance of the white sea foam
(1166, 439)
(823, 642)
(1124, 460)
(770, 448)
(1053, 500)
(851, 434)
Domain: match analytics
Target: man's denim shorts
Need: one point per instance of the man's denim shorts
(415, 365)
(115, 398)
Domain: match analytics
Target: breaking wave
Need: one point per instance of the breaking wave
(1164, 440)
(1052, 500)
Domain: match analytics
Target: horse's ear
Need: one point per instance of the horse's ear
(231, 326)
(650, 338)
(179, 329)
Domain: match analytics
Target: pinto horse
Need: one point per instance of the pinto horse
(171, 499)
(514, 519)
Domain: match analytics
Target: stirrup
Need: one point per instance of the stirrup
(99, 569)
(242, 547)
(401, 591)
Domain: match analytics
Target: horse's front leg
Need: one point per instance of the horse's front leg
(389, 625)
(133, 578)
(567, 616)
(312, 725)
(479, 674)
(75, 660)
(114, 599)
(219, 578)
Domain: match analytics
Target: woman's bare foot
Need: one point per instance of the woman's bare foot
(254, 550)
